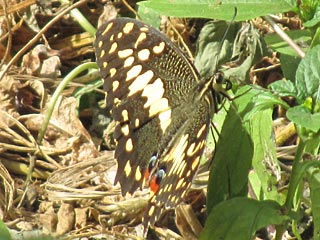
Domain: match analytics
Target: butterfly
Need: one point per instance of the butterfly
(162, 109)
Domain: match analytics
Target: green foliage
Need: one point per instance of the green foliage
(216, 10)
(4, 232)
(232, 162)
(304, 118)
(149, 16)
(309, 11)
(276, 43)
(308, 78)
(211, 52)
(236, 35)
(306, 90)
(247, 216)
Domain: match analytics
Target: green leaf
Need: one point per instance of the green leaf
(223, 10)
(218, 120)
(260, 100)
(219, 42)
(284, 88)
(4, 232)
(307, 9)
(308, 76)
(210, 52)
(248, 49)
(267, 100)
(316, 38)
(264, 161)
(240, 218)
(304, 118)
(150, 16)
(315, 19)
(313, 144)
(32, 235)
(289, 65)
(255, 184)
(231, 163)
(277, 43)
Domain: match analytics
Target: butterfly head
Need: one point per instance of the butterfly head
(221, 86)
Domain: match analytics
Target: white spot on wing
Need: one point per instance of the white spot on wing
(140, 82)
(144, 54)
(201, 131)
(113, 47)
(125, 53)
(159, 48)
(128, 62)
(127, 168)
(115, 85)
(133, 72)
(125, 130)
(129, 145)
(128, 27)
(141, 37)
(158, 106)
(125, 115)
(165, 120)
(153, 92)
(109, 26)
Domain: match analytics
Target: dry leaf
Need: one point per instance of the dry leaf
(34, 63)
(49, 220)
(81, 215)
(187, 222)
(66, 218)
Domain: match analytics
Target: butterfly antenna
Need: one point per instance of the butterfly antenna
(224, 37)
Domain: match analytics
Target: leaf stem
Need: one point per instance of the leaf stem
(57, 93)
(296, 176)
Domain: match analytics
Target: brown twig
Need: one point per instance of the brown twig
(130, 8)
(284, 36)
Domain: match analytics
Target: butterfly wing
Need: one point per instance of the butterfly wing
(145, 77)
(181, 158)
(153, 92)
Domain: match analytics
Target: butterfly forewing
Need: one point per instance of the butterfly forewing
(160, 111)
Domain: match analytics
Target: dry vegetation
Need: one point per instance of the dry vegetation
(62, 183)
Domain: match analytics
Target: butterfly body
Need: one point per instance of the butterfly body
(161, 107)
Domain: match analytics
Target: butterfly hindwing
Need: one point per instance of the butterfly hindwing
(181, 159)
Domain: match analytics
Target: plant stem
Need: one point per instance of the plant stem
(296, 176)
(75, 72)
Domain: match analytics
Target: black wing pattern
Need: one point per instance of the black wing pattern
(161, 108)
